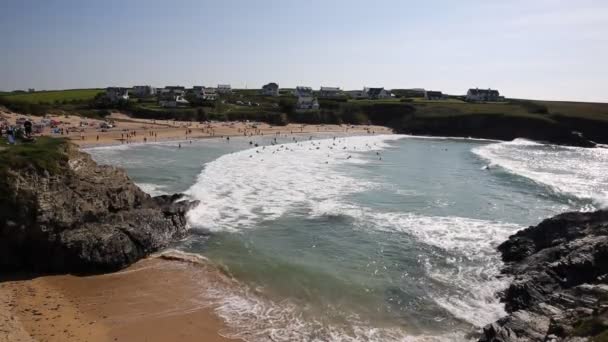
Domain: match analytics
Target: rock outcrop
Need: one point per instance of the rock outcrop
(560, 286)
(82, 217)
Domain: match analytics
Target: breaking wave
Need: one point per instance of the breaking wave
(573, 171)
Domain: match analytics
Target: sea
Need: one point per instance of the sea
(361, 238)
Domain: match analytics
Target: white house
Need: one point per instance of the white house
(306, 99)
(224, 89)
(483, 95)
(144, 91)
(330, 92)
(270, 89)
(208, 94)
(115, 94)
(377, 93)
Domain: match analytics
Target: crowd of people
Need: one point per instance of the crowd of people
(20, 131)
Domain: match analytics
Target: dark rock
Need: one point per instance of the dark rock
(560, 281)
(86, 218)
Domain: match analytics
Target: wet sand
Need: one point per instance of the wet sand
(153, 300)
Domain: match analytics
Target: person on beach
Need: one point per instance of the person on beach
(11, 135)
(179, 145)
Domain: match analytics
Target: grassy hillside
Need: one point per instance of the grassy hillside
(43, 154)
(55, 96)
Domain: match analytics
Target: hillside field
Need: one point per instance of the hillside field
(54, 96)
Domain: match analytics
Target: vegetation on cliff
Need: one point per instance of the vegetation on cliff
(61, 212)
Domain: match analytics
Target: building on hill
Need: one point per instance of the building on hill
(410, 93)
(115, 94)
(306, 99)
(330, 92)
(483, 95)
(172, 100)
(143, 91)
(175, 90)
(357, 94)
(208, 94)
(224, 89)
(434, 95)
(303, 92)
(377, 93)
(270, 89)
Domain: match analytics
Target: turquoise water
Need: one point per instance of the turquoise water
(370, 238)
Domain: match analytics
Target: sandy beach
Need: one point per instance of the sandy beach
(153, 300)
(127, 130)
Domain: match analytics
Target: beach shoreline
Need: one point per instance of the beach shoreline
(156, 299)
(88, 133)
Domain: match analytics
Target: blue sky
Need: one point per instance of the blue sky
(543, 49)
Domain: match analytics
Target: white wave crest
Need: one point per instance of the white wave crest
(152, 189)
(473, 284)
(578, 172)
(240, 189)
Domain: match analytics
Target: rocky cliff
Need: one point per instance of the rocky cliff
(560, 286)
(80, 216)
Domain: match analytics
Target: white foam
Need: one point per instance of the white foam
(238, 190)
(152, 189)
(578, 172)
(473, 284)
(253, 318)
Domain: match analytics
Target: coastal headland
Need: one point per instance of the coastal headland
(64, 214)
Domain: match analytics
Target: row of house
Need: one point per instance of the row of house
(169, 96)
(175, 96)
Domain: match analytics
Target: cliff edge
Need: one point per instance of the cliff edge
(62, 212)
(560, 286)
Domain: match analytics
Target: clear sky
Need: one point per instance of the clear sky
(542, 49)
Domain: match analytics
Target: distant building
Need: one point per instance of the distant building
(357, 94)
(434, 95)
(31, 90)
(224, 89)
(330, 92)
(483, 95)
(115, 94)
(306, 99)
(143, 91)
(172, 101)
(413, 92)
(270, 89)
(172, 90)
(377, 93)
(303, 92)
(208, 94)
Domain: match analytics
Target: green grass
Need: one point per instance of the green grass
(43, 154)
(55, 96)
(586, 110)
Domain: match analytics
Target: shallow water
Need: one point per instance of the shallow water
(362, 238)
